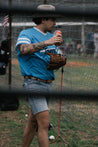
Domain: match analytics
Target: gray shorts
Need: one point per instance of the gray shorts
(37, 103)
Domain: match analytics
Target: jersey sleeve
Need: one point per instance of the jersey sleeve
(58, 51)
(22, 39)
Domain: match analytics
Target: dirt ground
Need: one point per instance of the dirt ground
(70, 63)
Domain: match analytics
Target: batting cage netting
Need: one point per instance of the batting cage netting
(74, 106)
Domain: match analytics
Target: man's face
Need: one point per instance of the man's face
(49, 24)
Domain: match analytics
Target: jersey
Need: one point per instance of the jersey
(35, 64)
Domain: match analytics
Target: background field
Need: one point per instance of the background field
(79, 118)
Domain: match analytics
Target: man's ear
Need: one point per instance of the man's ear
(43, 20)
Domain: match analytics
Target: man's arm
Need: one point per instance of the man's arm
(35, 47)
(31, 48)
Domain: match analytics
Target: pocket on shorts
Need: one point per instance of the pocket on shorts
(26, 82)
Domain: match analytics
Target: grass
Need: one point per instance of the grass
(79, 127)
(79, 77)
(78, 124)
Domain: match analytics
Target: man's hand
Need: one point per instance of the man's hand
(56, 39)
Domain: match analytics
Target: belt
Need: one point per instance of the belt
(45, 81)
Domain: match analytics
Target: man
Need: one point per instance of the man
(32, 45)
(90, 42)
(96, 43)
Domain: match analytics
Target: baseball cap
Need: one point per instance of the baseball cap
(46, 7)
(50, 11)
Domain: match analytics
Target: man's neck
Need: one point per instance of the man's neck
(40, 28)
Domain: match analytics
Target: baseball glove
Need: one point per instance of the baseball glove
(56, 61)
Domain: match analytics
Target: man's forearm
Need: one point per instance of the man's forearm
(32, 48)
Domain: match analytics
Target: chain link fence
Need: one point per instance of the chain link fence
(79, 126)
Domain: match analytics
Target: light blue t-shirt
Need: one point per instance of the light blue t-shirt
(35, 64)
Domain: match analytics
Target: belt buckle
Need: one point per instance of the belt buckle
(48, 81)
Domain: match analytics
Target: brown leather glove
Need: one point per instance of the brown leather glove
(56, 61)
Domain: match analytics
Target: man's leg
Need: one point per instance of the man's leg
(29, 131)
(43, 125)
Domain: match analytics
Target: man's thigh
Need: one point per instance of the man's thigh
(43, 119)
